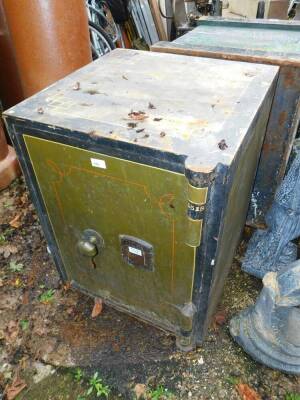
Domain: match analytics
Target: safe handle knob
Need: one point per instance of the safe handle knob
(90, 244)
(87, 248)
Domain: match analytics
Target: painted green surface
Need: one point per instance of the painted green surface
(249, 37)
(125, 198)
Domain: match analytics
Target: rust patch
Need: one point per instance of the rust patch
(282, 117)
(270, 147)
(198, 122)
(92, 133)
(289, 78)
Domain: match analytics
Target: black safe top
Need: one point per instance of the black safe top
(183, 105)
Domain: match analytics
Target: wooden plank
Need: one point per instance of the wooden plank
(221, 53)
(157, 20)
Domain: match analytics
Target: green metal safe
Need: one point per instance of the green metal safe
(259, 41)
(140, 166)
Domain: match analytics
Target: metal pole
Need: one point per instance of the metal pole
(218, 8)
(50, 39)
(261, 9)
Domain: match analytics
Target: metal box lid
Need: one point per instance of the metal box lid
(182, 105)
(266, 41)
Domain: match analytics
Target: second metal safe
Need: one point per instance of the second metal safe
(259, 41)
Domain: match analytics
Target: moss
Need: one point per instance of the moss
(59, 386)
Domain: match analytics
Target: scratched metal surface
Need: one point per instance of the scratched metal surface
(267, 39)
(282, 41)
(198, 102)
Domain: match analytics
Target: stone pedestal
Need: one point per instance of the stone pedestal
(270, 330)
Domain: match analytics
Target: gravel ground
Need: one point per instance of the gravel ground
(47, 332)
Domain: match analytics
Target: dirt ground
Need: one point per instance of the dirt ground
(47, 332)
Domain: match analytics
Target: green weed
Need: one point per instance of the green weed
(24, 323)
(7, 205)
(2, 239)
(47, 296)
(292, 396)
(160, 393)
(78, 375)
(233, 380)
(96, 386)
(14, 267)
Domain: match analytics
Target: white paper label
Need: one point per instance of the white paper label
(133, 250)
(98, 163)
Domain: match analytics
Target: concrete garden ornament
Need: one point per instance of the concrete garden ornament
(270, 331)
(272, 249)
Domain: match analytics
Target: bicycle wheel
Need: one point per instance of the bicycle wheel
(100, 14)
(101, 43)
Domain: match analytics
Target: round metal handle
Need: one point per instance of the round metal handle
(90, 244)
(87, 248)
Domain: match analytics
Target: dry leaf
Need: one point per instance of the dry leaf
(18, 282)
(70, 310)
(8, 249)
(24, 198)
(67, 286)
(25, 298)
(40, 331)
(12, 331)
(138, 115)
(140, 390)
(222, 144)
(246, 392)
(219, 319)
(151, 106)
(15, 222)
(98, 306)
(15, 388)
(2, 335)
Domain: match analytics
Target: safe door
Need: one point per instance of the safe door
(120, 228)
